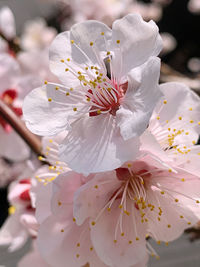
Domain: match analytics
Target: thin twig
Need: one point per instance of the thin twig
(32, 141)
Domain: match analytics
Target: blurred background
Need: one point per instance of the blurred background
(33, 26)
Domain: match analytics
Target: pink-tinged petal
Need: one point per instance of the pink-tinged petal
(143, 42)
(33, 258)
(42, 115)
(7, 23)
(65, 242)
(64, 188)
(28, 221)
(94, 145)
(121, 248)
(75, 45)
(18, 151)
(92, 197)
(138, 103)
(41, 194)
(175, 198)
(180, 99)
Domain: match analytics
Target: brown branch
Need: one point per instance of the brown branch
(32, 141)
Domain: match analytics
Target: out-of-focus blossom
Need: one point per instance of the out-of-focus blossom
(13, 88)
(194, 64)
(169, 43)
(175, 125)
(36, 35)
(194, 6)
(21, 223)
(7, 23)
(110, 83)
(147, 11)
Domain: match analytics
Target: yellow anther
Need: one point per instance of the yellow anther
(62, 60)
(11, 210)
(137, 239)
(93, 223)
(126, 212)
(77, 255)
(66, 69)
(118, 41)
(183, 180)
(45, 82)
(169, 129)
(191, 121)
(67, 93)
(74, 109)
(62, 230)
(104, 79)
(98, 111)
(169, 225)
(79, 72)
(120, 206)
(130, 242)
(157, 257)
(186, 133)
(167, 121)
(122, 234)
(189, 223)
(56, 87)
(115, 241)
(176, 200)
(170, 170)
(91, 248)
(88, 99)
(92, 67)
(59, 203)
(129, 165)
(91, 43)
(165, 102)
(158, 117)
(74, 219)
(199, 123)
(102, 33)
(108, 53)
(72, 41)
(86, 68)
(193, 142)
(180, 118)
(159, 219)
(181, 217)
(158, 242)
(197, 201)
(78, 244)
(71, 89)
(190, 109)
(49, 99)
(108, 209)
(108, 60)
(68, 59)
(166, 243)
(96, 186)
(162, 192)
(41, 158)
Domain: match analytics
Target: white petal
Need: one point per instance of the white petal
(138, 104)
(138, 41)
(7, 23)
(94, 145)
(43, 117)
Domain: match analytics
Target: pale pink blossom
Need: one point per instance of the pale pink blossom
(175, 125)
(21, 223)
(13, 88)
(110, 83)
(143, 198)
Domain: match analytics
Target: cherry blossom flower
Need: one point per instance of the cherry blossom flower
(13, 87)
(194, 6)
(110, 83)
(37, 35)
(142, 198)
(67, 242)
(175, 125)
(21, 223)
